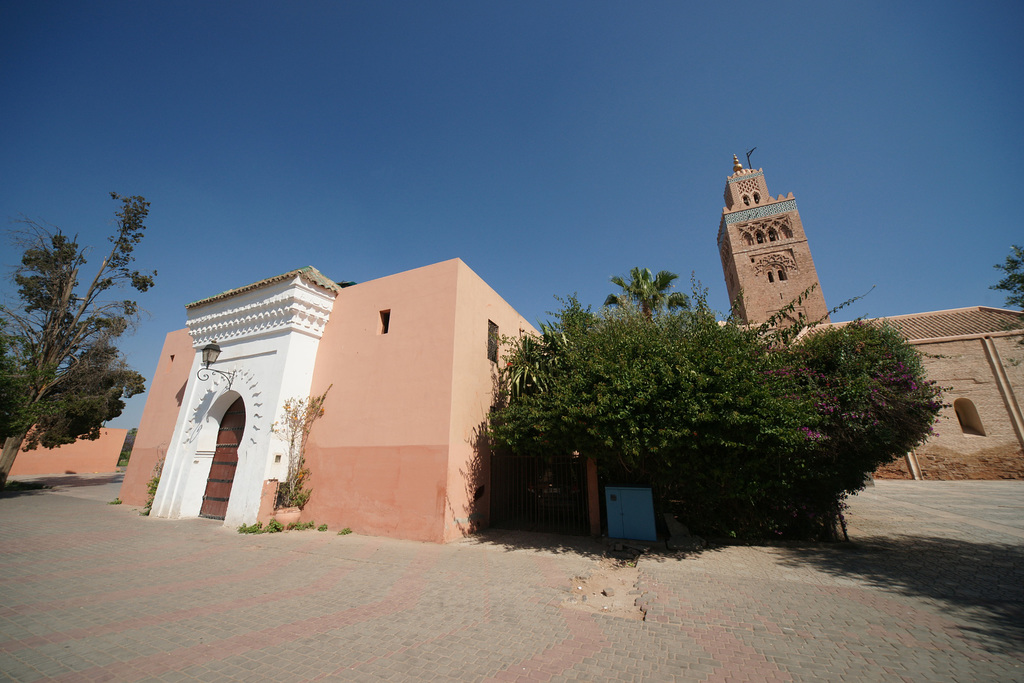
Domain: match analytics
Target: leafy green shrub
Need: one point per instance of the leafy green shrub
(742, 432)
(871, 393)
(300, 414)
(273, 527)
(255, 528)
(322, 527)
(345, 532)
(116, 501)
(151, 487)
(300, 526)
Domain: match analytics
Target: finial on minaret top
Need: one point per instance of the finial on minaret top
(736, 165)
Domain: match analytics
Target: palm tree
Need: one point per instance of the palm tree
(534, 359)
(649, 292)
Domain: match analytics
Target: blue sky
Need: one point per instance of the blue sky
(550, 145)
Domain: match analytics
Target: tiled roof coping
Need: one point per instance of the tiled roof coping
(953, 323)
(309, 274)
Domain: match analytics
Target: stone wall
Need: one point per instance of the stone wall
(80, 457)
(895, 470)
(966, 370)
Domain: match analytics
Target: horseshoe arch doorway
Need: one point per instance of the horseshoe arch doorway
(225, 461)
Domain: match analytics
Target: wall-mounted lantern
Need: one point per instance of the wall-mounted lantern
(211, 352)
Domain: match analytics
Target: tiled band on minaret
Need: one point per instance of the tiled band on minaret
(765, 255)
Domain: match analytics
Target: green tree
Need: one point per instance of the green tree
(735, 430)
(127, 446)
(62, 335)
(534, 360)
(1013, 280)
(678, 402)
(874, 403)
(12, 387)
(650, 292)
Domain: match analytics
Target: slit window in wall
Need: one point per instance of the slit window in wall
(782, 276)
(771, 278)
(385, 321)
(492, 342)
(967, 414)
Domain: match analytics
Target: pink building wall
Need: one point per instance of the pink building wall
(379, 454)
(395, 454)
(156, 427)
(400, 450)
(473, 380)
(81, 457)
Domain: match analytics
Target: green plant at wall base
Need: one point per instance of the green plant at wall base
(274, 526)
(152, 486)
(299, 416)
(345, 532)
(116, 501)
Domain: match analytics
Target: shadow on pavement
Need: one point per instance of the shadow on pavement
(510, 540)
(11, 492)
(986, 579)
(58, 482)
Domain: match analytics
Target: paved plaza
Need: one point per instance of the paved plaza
(930, 589)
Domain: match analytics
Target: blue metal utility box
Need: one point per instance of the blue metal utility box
(630, 512)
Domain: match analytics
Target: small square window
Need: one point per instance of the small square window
(385, 321)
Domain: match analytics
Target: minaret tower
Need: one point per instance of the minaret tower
(765, 256)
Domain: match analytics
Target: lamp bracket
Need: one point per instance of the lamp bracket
(203, 374)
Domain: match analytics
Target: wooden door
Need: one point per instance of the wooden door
(225, 460)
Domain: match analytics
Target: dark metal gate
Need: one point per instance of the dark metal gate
(535, 494)
(225, 461)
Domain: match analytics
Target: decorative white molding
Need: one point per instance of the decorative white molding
(270, 334)
(247, 386)
(293, 306)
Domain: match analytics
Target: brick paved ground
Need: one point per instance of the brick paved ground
(931, 590)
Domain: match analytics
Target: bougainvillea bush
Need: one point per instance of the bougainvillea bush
(873, 401)
(738, 430)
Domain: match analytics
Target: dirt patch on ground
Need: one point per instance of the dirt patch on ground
(610, 589)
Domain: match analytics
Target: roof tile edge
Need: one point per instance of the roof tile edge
(307, 273)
